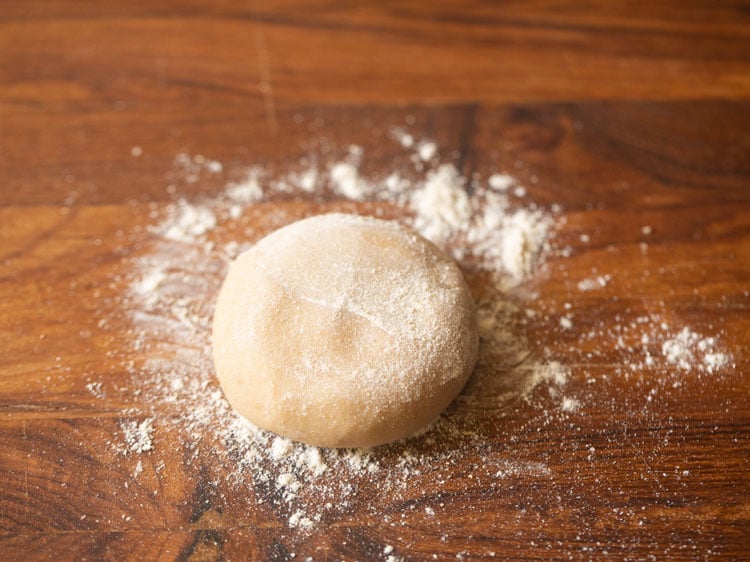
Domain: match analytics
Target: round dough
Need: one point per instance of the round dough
(343, 331)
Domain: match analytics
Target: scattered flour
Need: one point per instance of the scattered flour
(347, 181)
(570, 404)
(442, 206)
(521, 239)
(594, 283)
(307, 180)
(427, 150)
(149, 283)
(510, 469)
(298, 519)
(281, 447)
(506, 242)
(187, 223)
(501, 182)
(247, 191)
(192, 168)
(170, 305)
(138, 435)
(96, 389)
(689, 350)
(403, 137)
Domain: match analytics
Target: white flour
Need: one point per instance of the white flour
(138, 435)
(191, 168)
(593, 283)
(174, 281)
(246, 191)
(187, 222)
(689, 350)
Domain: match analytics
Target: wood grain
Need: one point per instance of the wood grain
(624, 115)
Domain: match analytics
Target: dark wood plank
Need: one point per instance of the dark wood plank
(393, 52)
(624, 116)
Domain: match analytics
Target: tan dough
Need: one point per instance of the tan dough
(343, 331)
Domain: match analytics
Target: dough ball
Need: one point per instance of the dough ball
(343, 331)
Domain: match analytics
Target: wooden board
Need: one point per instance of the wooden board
(624, 117)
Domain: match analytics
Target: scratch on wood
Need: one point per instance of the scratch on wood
(2, 152)
(264, 71)
(44, 236)
(25, 477)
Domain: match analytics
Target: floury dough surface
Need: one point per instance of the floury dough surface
(343, 331)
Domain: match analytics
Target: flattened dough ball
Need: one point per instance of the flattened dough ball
(343, 331)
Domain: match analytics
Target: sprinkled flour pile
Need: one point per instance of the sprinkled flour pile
(498, 238)
(688, 349)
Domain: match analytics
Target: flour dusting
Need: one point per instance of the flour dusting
(138, 435)
(501, 241)
(688, 350)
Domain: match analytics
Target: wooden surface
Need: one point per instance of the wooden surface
(625, 115)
